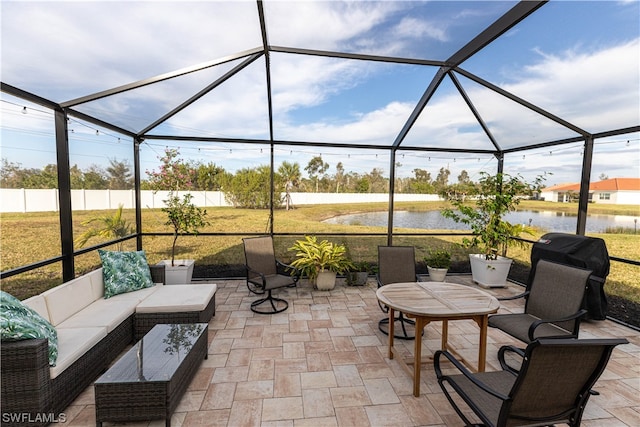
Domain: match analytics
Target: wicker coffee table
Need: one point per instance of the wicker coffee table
(149, 380)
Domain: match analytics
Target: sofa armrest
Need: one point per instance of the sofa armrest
(26, 384)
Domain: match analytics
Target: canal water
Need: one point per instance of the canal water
(546, 220)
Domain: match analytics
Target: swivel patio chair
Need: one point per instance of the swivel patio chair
(552, 307)
(552, 384)
(396, 264)
(265, 273)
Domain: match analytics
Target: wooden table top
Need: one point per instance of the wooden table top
(437, 299)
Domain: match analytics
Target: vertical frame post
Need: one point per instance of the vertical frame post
(138, 196)
(583, 201)
(64, 194)
(392, 179)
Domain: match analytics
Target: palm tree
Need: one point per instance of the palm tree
(113, 227)
(290, 174)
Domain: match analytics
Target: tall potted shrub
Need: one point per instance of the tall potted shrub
(497, 195)
(184, 217)
(321, 261)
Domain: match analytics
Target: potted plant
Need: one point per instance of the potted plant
(438, 262)
(497, 195)
(321, 261)
(358, 275)
(184, 217)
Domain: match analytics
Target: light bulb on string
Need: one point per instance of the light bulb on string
(24, 110)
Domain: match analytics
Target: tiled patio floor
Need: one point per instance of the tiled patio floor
(323, 362)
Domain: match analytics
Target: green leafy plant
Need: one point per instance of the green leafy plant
(184, 217)
(113, 227)
(497, 195)
(313, 256)
(438, 258)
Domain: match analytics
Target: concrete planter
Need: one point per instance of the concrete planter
(437, 274)
(180, 273)
(326, 280)
(490, 273)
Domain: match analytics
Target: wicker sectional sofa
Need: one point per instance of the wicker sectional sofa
(92, 332)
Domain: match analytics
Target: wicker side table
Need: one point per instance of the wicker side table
(149, 380)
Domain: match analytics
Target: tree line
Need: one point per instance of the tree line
(247, 187)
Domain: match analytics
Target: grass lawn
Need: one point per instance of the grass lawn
(32, 237)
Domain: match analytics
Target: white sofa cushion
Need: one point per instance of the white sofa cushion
(73, 343)
(69, 298)
(39, 304)
(178, 298)
(106, 313)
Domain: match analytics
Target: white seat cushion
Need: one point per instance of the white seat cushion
(106, 313)
(178, 298)
(73, 343)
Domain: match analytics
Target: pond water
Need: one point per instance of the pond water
(547, 220)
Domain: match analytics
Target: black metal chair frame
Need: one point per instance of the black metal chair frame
(503, 388)
(261, 282)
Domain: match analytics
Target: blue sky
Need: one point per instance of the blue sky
(578, 60)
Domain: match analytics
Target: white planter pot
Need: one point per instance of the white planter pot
(490, 273)
(326, 280)
(437, 274)
(180, 273)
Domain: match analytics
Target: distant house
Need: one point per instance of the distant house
(614, 191)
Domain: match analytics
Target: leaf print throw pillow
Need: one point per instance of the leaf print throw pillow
(124, 272)
(19, 322)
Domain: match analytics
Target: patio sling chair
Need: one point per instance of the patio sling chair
(265, 273)
(552, 384)
(552, 307)
(396, 264)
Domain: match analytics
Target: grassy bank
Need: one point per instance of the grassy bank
(31, 237)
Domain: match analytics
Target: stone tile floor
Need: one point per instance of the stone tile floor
(323, 362)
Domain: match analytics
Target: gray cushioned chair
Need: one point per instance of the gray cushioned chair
(552, 307)
(265, 273)
(396, 264)
(551, 385)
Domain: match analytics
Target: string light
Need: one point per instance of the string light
(24, 110)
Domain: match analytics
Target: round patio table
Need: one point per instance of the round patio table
(428, 302)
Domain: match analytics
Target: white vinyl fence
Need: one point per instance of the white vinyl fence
(31, 200)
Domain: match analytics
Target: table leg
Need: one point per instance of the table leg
(391, 331)
(483, 322)
(445, 334)
(417, 352)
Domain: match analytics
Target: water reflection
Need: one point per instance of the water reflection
(546, 220)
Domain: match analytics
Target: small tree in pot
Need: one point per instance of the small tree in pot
(497, 195)
(184, 217)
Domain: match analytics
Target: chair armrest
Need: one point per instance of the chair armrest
(501, 357)
(525, 294)
(295, 272)
(252, 274)
(534, 325)
(463, 370)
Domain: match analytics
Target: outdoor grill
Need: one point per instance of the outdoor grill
(579, 251)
